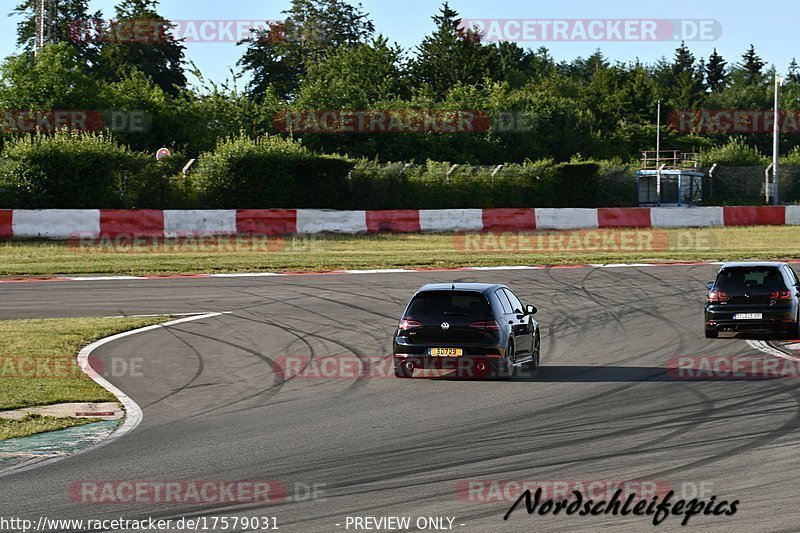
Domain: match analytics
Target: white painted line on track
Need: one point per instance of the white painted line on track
(104, 278)
(764, 347)
(244, 275)
(507, 268)
(156, 315)
(234, 275)
(133, 413)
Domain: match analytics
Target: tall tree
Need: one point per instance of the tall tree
(141, 40)
(585, 69)
(752, 65)
(451, 55)
(684, 60)
(280, 56)
(716, 74)
(355, 77)
(686, 88)
(73, 24)
(793, 75)
(57, 79)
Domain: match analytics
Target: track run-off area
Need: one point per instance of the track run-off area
(607, 406)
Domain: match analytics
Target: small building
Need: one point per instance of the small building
(669, 178)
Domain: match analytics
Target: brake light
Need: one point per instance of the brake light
(780, 295)
(717, 296)
(409, 323)
(490, 325)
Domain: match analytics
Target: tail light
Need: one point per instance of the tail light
(717, 296)
(490, 325)
(780, 295)
(409, 323)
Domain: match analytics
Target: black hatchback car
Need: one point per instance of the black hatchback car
(475, 329)
(753, 296)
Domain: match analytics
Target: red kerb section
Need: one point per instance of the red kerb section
(623, 217)
(131, 222)
(754, 216)
(509, 219)
(393, 221)
(270, 222)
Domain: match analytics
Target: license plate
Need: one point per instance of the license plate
(748, 316)
(445, 352)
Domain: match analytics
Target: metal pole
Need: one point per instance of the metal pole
(39, 18)
(776, 130)
(658, 153)
(766, 183)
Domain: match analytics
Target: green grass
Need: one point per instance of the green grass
(400, 251)
(38, 366)
(33, 424)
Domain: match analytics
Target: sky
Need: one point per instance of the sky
(730, 26)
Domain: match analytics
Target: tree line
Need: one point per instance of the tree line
(326, 55)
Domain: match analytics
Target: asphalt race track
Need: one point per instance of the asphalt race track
(601, 408)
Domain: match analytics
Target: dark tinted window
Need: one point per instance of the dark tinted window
(515, 303)
(742, 278)
(449, 303)
(501, 297)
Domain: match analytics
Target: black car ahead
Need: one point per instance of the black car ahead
(753, 296)
(476, 329)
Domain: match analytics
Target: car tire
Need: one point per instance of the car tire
(401, 372)
(536, 360)
(711, 333)
(506, 370)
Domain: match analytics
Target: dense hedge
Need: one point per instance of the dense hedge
(81, 170)
(539, 184)
(270, 172)
(71, 170)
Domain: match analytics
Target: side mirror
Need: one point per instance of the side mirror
(530, 310)
(710, 285)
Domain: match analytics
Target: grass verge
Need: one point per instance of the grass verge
(38, 366)
(398, 251)
(33, 424)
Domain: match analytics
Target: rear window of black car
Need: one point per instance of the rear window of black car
(741, 278)
(449, 303)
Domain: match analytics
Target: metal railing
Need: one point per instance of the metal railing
(671, 159)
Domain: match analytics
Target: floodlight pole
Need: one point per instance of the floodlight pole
(776, 131)
(658, 153)
(46, 13)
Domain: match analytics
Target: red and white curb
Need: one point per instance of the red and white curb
(63, 224)
(348, 272)
(133, 413)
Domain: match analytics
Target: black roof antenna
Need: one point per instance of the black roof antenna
(453, 286)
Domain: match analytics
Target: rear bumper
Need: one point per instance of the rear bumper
(477, 359)
(720, 318)
(466, 365)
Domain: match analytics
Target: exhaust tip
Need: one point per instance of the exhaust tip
(409, 366)
(481, 367)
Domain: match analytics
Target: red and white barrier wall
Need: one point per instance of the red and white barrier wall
(72, 223)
